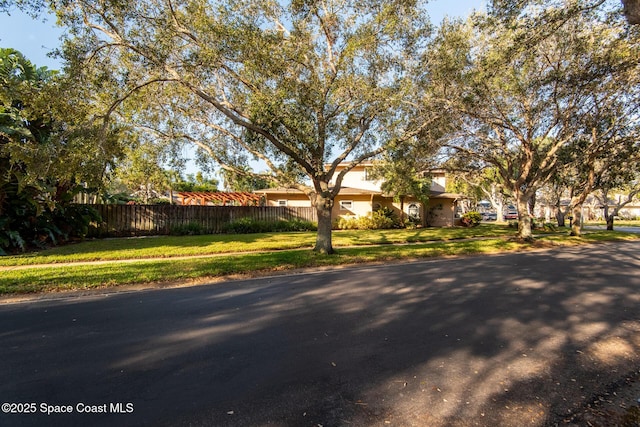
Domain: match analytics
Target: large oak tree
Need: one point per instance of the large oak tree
(301, 87)
(521, 92)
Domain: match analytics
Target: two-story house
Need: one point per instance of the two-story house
(360, 195)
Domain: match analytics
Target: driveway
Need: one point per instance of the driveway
(509, 340)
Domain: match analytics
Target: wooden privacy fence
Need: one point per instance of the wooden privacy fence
(144, 220)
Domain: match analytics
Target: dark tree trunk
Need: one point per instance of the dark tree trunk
(610, 222)
(608, 217)
(324, 205)
(632, 11)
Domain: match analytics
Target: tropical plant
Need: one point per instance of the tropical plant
(48, 149)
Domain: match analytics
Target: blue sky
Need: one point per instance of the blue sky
(32, 37)
(35, 38)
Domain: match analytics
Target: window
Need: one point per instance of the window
(282, 203)
(368, 174)
(346, 205)
(414, 211)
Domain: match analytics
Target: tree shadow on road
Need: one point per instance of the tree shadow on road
(505, 340)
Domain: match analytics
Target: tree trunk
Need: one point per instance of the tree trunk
(323, 205)
(532, 205)
(610, 222)
(500, 212)
(524, 221)
(608, 217)
(402, 210)
(560, 217)
(632, 11)
(576, 227)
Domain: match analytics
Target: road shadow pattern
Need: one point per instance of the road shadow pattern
(505, 340)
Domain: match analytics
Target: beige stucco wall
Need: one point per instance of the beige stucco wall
(360, 206)
(357, 178)
(438, 182)
(441, 212)
(293, 200)
(440, 216)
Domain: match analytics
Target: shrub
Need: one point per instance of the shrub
(27, 227)
(380, 219)
(10, 240)
(471, 219)
(249, 225)
(347, 223)
(539, 224)
(159, 201)
(74, 220)
(411, 223)
(387, 212)
(301, 225)
(188, 229)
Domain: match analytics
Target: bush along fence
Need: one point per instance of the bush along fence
(147, 220)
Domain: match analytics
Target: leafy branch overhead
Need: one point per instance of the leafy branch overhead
(534, 91)
(296, 86)
(522, 100)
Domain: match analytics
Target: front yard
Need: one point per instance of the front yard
(180, 246)
(113, 262)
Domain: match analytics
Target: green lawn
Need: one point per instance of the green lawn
(176, 246)
(616, 223)
(442, 242)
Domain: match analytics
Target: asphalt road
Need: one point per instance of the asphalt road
(506, 340)
(625, 229)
